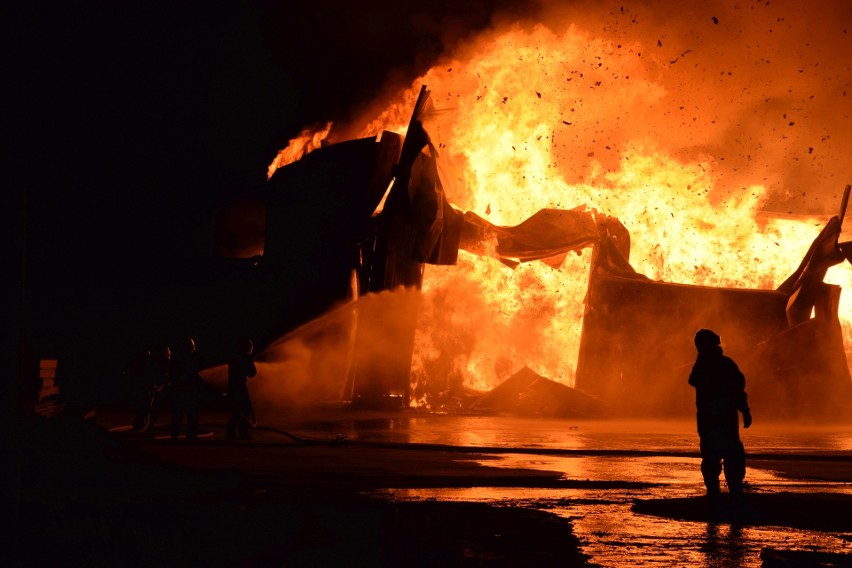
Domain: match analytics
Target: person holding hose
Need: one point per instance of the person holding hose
(240, 368)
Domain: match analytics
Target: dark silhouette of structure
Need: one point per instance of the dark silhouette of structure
(240, 368)
(788, 341)
(719, 396)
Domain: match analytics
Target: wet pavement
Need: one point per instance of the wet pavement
(662, 453)
(629, 460)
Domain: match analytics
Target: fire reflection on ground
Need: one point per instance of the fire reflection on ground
(612, 535)
(627, 435)
(663, 454)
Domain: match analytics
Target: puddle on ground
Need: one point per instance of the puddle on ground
(611, 534)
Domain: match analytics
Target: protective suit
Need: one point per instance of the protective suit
(185, 389)
(719, 396)
(240, 367)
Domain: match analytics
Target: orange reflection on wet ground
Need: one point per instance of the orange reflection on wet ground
(615, 464)
(612, 534)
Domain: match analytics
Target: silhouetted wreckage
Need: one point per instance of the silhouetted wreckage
(362, 217)
(635, 349)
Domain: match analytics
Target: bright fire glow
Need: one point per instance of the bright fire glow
(308, 140)
(531, 118)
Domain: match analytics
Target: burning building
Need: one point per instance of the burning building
(641, 160)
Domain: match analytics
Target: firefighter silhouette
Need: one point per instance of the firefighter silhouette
(719, 396)
(185, 389)
(240, 368)
(150, 376)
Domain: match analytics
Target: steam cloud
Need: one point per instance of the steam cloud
(316, 363)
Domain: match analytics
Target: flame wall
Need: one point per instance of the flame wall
(715, 131)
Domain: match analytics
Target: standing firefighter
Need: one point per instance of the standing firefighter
(140, 373)
(240, 368)
(151, 376)
(719, 396)
(186, 388)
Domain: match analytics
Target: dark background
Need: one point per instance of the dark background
(133, 123)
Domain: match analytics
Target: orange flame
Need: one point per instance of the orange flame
(531, 119)
(308, 140)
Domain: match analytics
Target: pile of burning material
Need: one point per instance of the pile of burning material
(528, 394)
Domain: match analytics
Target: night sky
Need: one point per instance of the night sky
(133, 123)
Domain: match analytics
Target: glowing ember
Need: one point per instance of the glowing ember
(628, 126)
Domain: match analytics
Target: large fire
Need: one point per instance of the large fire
(686, 143)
